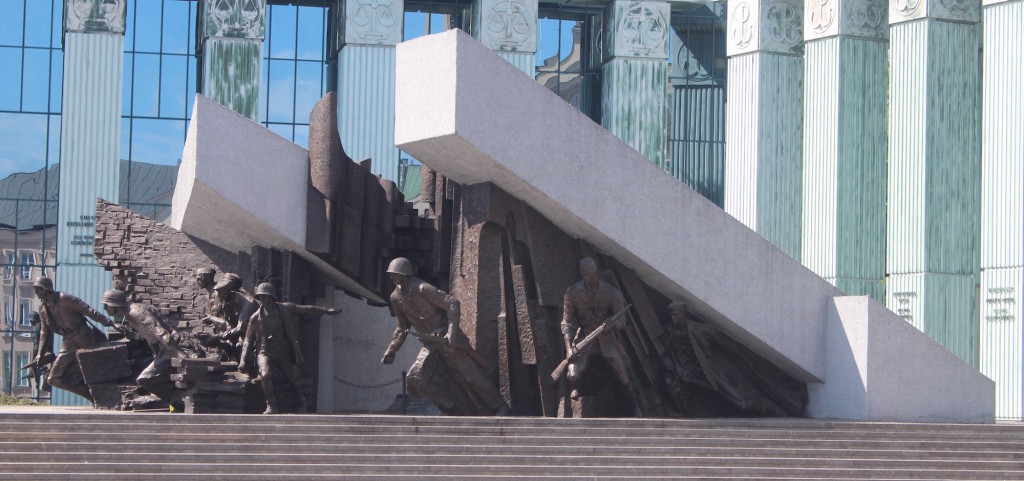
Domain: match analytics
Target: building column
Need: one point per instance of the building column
(932, 238)
(509, 27)
(90, 144)
(231, 44)
(1002, 204)
(764, 119)
(845, 94)
(634, 92)
(366, 32)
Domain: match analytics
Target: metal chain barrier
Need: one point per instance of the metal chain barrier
(364, 386)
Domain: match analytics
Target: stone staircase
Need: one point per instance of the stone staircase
(96, 445)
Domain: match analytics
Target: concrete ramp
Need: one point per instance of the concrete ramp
(474, 117)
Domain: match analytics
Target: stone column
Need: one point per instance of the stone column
(932, 237)
(367, 32)
(90, 143)
(764, 119)
(1002, 204)
(231, 44)
(845, 94)
(509, 27)
(634, 93)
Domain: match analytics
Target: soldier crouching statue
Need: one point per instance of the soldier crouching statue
(166, 344)
(64, 314)
(272, 333)
(434, 317)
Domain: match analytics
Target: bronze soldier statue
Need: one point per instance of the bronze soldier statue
(64, 314)
(586, 306)
(701, 358)
(272, 333)
(229, 311)
(166, 344)
(204, 279)
(434, 314)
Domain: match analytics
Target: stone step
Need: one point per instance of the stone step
(213, 437)
(143, 468)
(458, 427)
(75, 476)
(765, 459)
(115, 417)
(521, 449)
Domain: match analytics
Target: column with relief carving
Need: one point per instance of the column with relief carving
(1002, 204)
(231, 45)
(365, 35)
(932, 226)
(764, 119)
(90, 141)
(509, 27)
(845, 93)
(634, 84)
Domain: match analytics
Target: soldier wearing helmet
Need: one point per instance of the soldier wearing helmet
(429, 310)
(64, 314)
(229, 311)
(146, 321)
(271, 333)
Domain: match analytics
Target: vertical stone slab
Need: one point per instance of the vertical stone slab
(90, 143)
(634, 93)
(845, 95)
(509, 27)
(764, 119)
(1002, 204)
(934, 178)
(231, 43)
(367, 32)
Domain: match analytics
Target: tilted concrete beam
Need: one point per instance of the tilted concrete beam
(240, 185)
(473, 117)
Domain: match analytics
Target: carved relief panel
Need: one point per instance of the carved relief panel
(767, 25)
(233, 18)
(637, 30)
(857, 18)
(94, 16)
(370, 22)
(956, 10)
(508, 25)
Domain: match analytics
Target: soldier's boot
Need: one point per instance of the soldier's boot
(268, 392)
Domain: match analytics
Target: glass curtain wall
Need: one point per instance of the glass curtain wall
(697, 103)
(568, 60)
(31, 62)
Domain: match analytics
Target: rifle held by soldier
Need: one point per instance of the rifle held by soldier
(582, 346)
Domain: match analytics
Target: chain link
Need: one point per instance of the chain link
(362, 386)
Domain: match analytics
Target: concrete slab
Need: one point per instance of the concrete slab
(881, 368)
(239, 185)
(471, 116)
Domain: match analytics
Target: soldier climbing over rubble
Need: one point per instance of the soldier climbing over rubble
(146, 321)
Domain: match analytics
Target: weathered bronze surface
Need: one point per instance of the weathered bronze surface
(64, 314)
(433, 316)
(272, 335)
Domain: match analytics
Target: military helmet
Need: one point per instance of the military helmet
(44, 282)
(266, 289)
(205, 271)
(115, 298)
(401, 266)
(230, 280)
